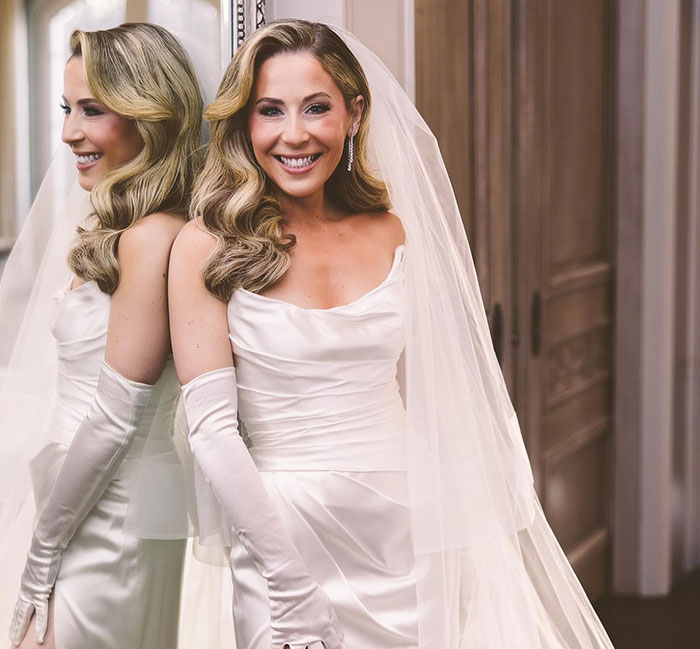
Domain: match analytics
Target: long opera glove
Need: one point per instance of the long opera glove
(98, 448)
(300, 611)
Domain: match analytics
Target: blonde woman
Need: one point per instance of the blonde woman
(324, 294)
(132, 121)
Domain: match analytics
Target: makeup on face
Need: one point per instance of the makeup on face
(101, 139)
(298, 123)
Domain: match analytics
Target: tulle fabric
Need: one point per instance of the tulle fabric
(488, 566)
(487, 562)
(490, 573)
(473, 507)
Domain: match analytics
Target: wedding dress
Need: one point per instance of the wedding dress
(320, 404)
(114, 590)
(384, 434)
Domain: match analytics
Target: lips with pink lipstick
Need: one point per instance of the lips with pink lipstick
(297, 164)
(87, 159)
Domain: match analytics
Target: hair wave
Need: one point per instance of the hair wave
(141, 72)
(233, 195)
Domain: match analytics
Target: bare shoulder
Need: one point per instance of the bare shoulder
(193, 243)
(391, 228)
(152, 235)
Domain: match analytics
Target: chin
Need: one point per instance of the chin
(299, 190)
(86, 183)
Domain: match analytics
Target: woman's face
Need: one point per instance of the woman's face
(100, 139)
(298, 123)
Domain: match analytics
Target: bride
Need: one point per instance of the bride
(132, 120)
(378, 491)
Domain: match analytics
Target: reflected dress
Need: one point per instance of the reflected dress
(325, 422)
(114, 590)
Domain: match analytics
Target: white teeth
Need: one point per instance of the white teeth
(296, 163)
(86, 159)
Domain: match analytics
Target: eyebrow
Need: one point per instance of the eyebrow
(81, 102)
(279, 102)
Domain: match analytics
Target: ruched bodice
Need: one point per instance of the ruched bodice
(317, 388)
(320, 402)
(79, 324)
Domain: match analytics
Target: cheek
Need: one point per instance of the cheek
(331, 132)
(121, 138)
(262, 134)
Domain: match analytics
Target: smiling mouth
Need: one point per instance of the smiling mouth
(88, 158)
(298, 162)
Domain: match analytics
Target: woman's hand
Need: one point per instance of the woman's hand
(30, 641)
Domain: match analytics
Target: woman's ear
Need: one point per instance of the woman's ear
(356, 111)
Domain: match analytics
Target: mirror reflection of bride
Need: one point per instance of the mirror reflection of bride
(83, 438)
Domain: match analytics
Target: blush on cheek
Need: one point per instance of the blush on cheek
(262, 135)
(116, 127)
(122, 141)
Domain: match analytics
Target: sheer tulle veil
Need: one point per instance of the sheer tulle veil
(490, 572)
(34, 273)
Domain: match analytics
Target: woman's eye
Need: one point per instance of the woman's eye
(317, 109)
(92, 112)
(65, 109)
(270, 111)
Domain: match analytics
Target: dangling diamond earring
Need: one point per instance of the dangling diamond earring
(351, 153)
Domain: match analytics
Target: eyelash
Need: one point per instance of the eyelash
(324, 108)
(269, 111)
(314, 109)
(89, 110)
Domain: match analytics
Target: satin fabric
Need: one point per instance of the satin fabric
(320, 403)
(114, 590)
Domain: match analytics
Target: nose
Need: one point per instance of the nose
(72, 131)
(294, 132)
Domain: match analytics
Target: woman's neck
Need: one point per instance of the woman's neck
(307, 210)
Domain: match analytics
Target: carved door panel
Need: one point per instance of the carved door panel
(518, 94)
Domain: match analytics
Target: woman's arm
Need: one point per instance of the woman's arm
(137, 348)
(197, 318)
(300, 611)
(138, 337)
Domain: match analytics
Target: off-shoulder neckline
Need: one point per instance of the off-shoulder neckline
(398, 258)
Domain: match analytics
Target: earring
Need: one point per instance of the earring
(351, 153)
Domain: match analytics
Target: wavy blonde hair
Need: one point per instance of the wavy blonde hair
(141, 72)
(233, 195)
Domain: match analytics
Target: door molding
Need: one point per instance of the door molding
(651, 480)
(686, 456)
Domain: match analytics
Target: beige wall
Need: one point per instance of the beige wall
(14, 153)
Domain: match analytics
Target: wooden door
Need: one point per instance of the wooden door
(464, 92)
(563, 238)
(518, 93)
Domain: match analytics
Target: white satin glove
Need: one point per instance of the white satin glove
(300, 611)
(94, 456)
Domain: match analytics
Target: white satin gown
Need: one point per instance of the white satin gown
(326, 427)
(114, 590)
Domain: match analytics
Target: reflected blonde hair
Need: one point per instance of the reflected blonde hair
(141, 72)
(232, 194)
